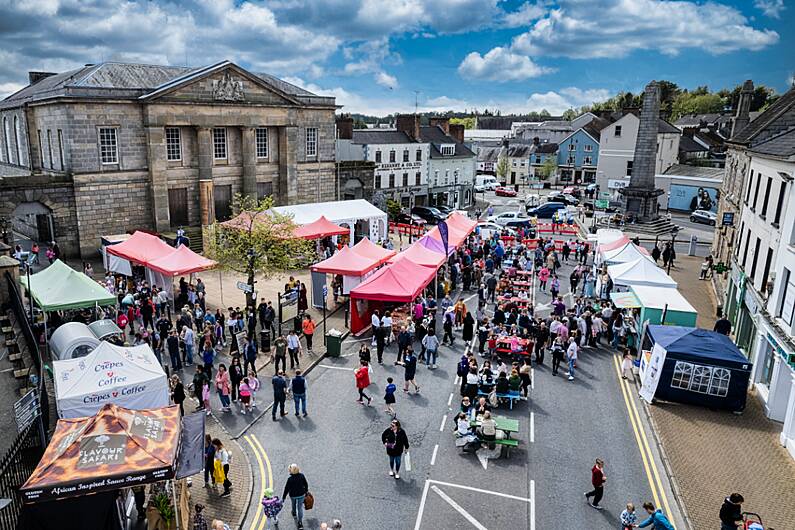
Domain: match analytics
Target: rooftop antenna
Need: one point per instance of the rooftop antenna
(416, 100)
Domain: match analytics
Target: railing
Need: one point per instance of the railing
(15, 467)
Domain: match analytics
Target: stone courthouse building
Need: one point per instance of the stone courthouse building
(113, 147)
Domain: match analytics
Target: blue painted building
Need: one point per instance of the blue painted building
(578, 155)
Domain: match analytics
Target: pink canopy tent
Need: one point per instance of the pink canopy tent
(320, 229)
(368, 249)
(181, 261)
(141, 248)
(401, 281)
(434, 244)
(461, 222)
(421, 255)
(620, 242)
(347, 262)
(455, 236)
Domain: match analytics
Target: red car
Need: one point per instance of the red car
(504, 191)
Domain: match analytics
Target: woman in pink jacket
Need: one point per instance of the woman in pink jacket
(223, 385)
(543, 277)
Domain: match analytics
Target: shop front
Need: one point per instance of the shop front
(740, 308)
(773, 371)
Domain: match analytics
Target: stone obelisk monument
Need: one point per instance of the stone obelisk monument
(641, 195)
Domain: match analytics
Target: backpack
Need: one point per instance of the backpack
(463, 367)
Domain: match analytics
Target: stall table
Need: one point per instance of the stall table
(504, 346)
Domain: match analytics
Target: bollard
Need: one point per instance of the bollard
(691, 249)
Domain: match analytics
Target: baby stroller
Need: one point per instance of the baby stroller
(752, 521)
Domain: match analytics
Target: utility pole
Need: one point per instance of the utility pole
(416, 100)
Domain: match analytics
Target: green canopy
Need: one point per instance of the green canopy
(61, 287)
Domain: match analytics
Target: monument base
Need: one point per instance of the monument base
(641, 203)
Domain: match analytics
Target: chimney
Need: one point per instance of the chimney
(457, 132)
(344, 128)
(742, 118)
(409, 124)
(35, 77)
(444, 123)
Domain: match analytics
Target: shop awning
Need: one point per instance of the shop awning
(117, 448)
(421, 255)
(60, 287)
(141, 248)
(401, 281)
(370, 250)
(347, 262)
(181, 260)
(642, 271)
(319, 229)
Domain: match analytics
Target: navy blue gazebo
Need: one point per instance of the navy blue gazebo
(701, 367)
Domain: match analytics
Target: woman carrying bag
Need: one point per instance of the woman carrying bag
(298, 490)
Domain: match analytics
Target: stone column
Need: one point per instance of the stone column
(288, 170)
(156, 139)
(249, 149)
(206, 196)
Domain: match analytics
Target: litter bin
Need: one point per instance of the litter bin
(333, 344)
(265, 340)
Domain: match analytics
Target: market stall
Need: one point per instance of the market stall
(131, 377)
(434, 244)
(370, 250)
(140, 249)
(391, 286)
(641, 271)
(421, 255)
(663, 305)
(696, 366)
(358, 216)
(89, 459)
(622, 254)
(59, 287)
(319, 229)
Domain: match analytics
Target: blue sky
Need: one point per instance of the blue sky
(377, 56)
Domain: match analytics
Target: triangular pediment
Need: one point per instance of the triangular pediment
(222, 83)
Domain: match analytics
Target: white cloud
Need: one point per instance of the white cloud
(6, 89)
(445, 103)
(566, 98)
(500, 64)
(523, 16)
(615, 28)
(771, 8)
(386, 80)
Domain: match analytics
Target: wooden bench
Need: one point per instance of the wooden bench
(504, 444)
(511, 397)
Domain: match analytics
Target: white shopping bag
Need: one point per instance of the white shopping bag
(407, 461)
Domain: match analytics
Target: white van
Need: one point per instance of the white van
(532, 200)
(485, 183)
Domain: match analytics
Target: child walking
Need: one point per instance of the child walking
(271, 506)
(206, 396)
(253, 385)
(626, 365)
(389, 396)
(628, 517)
(245, 396)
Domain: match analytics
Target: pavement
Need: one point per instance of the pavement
(711, 453)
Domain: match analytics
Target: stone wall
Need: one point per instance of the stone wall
(13, 141)
(356, 178)
(111, 204)
(316, 182)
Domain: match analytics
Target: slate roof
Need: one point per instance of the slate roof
(436, 136)
(688, 145)
(695, 120)
(595, 126)
(665, 127)
(683, 170)
(775, 111)
(380, 136)
(712, 139)
(129, 80)
(782, 145)
(549, 148)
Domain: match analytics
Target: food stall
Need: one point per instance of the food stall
(663, 305)
(641, 271)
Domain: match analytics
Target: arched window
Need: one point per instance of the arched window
(6, 137)
(17, 136)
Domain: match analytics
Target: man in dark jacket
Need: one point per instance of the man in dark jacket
(250, 356)
(404, 341)
(173, 351)
(279, 394)
(731, 515)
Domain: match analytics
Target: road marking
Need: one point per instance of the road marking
(467, 299)
(456, 380)
(644, 439)
(635, 430)
(450, 399)
(532, 378)
(336, 367)
(444, 420)
(433, 456)
(532, 505)
(532, 427)
(258, 516)
(478, 490)
(422, 505)
(458, 508)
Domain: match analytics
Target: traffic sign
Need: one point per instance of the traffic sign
(246, 288)
(27, 409)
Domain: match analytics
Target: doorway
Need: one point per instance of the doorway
(178, 206)
(34, 221)
(223, 202)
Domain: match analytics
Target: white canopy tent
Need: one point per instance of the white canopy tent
(608, 235)
(129, 377)
(624, 254)
(642, 271)
(347, 213)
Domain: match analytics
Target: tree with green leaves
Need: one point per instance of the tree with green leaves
(569, 114)
(548, 168)
(468, 123)
(392, 209)
(503, 168)
(696, 102)
(260, 241)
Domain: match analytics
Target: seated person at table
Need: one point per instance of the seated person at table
(492, 343)
(466, 405)
(486, 368)
(523, 295)
(482, 407)
(502, 385)
(462, 426)
(501, 367)
(515, 347)
(488, 428)
(486, 381)
(515, 381)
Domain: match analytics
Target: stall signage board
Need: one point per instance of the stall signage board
(652, 373)
(26, 410)
(728, 219)
(601, 203)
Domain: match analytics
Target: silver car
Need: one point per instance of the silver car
(704, 216)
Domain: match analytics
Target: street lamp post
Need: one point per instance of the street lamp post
(673, 249)
(252, 255)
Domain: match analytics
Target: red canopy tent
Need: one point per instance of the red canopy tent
(620, 242)
(347, 262)
(141, 248)
(320, 229)
(421, 255)
(181, 261)
(368, 249)
(461, 222)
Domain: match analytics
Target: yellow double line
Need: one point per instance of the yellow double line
(657, 490)
(258, 523)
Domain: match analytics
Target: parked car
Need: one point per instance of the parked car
(546, 210)
(704, 216)
(429, 213)
(504, 191)
(526, 224)
(503, 218)
(446, 210)
(485, 183)
(565, 198)
(487, 228)
(409, 219)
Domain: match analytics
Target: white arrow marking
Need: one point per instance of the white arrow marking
(458, 508)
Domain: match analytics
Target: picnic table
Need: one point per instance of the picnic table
(507, 425)
(514, 300)
(504, 345)
(524, 273)
(521, 283)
